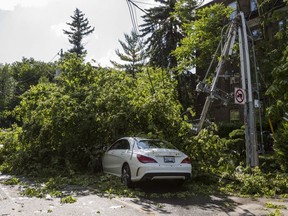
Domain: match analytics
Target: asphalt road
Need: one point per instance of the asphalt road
(88, 204)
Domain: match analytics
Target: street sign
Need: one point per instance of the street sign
(239, 96)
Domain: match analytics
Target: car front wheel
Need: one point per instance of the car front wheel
(126, 176)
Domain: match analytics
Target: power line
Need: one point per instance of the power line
(132, 6)
(137, 6)
(133, 16)
(132, 10)
(145, 3)
(60, 53)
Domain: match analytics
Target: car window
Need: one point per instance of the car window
(121, 144)
(148, 144)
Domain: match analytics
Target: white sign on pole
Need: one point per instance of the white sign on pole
(239, 96)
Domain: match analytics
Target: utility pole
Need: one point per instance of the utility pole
(249, 113)
(238, 25)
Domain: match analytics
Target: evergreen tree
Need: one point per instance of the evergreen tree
(79, 28)
(163, 31)
(133, 55)
(163, 27)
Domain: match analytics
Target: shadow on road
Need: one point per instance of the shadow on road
(159, 194)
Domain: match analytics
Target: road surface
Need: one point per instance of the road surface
(88, 204)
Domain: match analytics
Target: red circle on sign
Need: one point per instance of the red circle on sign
(239, 96)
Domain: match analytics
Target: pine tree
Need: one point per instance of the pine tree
(162, 30)
(79, 28)
(133, 53)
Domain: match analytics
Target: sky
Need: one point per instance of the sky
(34, 28)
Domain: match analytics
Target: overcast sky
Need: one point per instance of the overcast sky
(34, 28)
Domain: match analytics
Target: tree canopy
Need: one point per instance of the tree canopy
(203, 36)
(65, 123)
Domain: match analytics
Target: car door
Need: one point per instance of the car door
(116, 156)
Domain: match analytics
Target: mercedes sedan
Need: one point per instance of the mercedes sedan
(137, 159)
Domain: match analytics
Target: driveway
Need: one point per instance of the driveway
(11, 203)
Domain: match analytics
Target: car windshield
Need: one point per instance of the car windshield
(148, 144)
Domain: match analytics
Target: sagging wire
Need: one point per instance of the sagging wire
(133, 15)
(220, 45)
(132, 11)
(145, 3)
(137, 6)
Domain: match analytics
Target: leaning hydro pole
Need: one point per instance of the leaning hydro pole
(237, 27)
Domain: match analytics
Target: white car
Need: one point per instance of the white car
(137, 159)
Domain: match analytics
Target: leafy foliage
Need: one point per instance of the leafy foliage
(270, 50)
(65, 124)
(204, 163)
(255, 182)
(185, 10)
(12, 181)
(236, 145)
(275, 206)
(10, 152)
(203, 36)
(28, 72)
(278, 91)
(68, 199)
(16, 79)
(281, 146)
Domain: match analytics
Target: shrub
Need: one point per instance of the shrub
(281, 146)
(9, 138)
(255, 182)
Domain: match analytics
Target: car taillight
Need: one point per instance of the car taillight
(145, 159)
(186, 160)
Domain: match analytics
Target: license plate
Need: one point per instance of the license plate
(169, 160)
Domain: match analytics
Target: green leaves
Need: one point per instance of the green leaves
(68, 199)
(258, 183)
(203, 36)
(66, 123)
(278, 92)
(281, 146)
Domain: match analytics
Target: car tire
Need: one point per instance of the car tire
(126, 176)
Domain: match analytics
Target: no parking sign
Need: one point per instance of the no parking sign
(239, 96)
